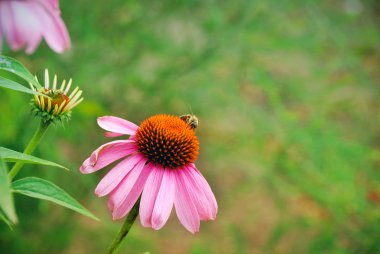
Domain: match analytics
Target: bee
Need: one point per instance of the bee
(191, 120)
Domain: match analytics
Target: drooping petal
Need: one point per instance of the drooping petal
(149, 195)
(121, 192)
(54, 32)
(54, 3)
(206, 187)
(106, 154)
(165, 199)
(28, 25)
(110, 205)
(117, 125)
(184, 205)
(8, 25)
(201, 193)
(116, 175)
(109, 134)
(127, 193)
(1, 37)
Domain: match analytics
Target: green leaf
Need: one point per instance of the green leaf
(5, 219)
(9, 155)
(7, 83)
(15, 67)
(39, 188)
(6, 197)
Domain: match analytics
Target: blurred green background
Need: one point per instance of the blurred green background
(287, 94)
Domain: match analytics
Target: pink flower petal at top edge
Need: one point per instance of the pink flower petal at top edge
(106, 154)
(54, 3)
(202, 195)
(116, 175)
(165, 199)
(28, 25)
(133, 187)
(117, 125)
(149, 195)
(120, 193)
(1, 38)
(54, 31)
(184, 205)
(8, 26)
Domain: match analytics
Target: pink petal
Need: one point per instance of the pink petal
(32, 45)
(28, 25)
(54, 3)
(106, 154)
(110, 204)
(1, 37)
(117, 125)
(184, 205)
(206, 187)
(54, 31)
(116, 175)
(201, 193)
(129, 190)
(164, 201)
(148, 197)
(8, 25)
(109, 134)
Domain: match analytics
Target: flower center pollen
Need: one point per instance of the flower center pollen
(57, 97)
(168, 141)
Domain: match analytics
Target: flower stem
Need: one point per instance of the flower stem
(125, 228)
(30, 147)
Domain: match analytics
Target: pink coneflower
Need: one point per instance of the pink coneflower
(158, 164)
(24, 23)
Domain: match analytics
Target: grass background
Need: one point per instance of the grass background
(287, 93)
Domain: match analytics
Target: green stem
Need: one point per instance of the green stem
(125, 228)
(30, 147)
